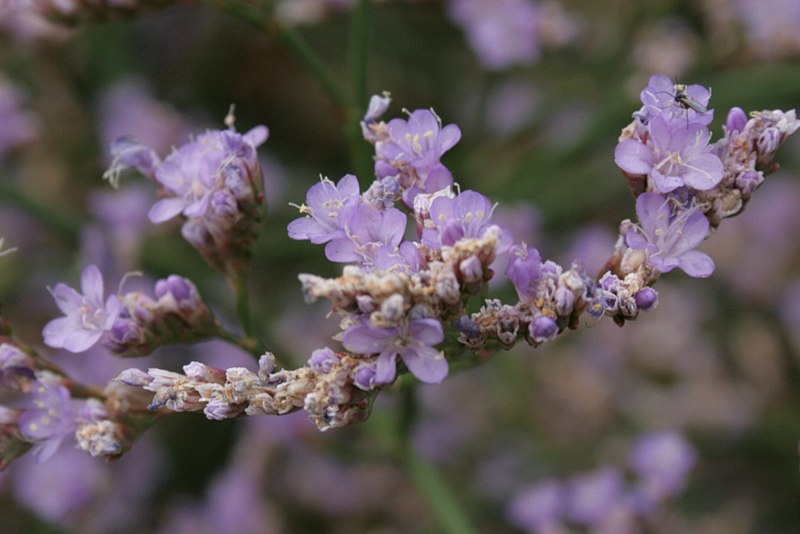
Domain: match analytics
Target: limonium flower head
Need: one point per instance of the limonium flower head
(467, 215)
(413, 341)
(413, 149)
(371, 237)
(663, 461)
(322, 213)
(672, 157)
(86, 316)
(662, 98)
(669, 238)
(524, 269)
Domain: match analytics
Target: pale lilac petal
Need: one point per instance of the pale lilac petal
(81, 340)
(704, 172)
(341, 250)
(633, 157)
(257, 135)
(697, 264)
(427, 364)
(665, 184)
(448, 137)
(67, 299)
(363, 338)
(427, 331)
(165, 209)
(386, 370)
(92, 284)
(56, 331)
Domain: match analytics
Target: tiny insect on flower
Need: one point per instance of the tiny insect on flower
(687, 102)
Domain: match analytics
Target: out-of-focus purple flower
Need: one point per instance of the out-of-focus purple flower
(323, 209)
(524, 270)
(86, 316)
(663, 461)
(467, 215)
(198, 169)
(18, 125)
(662, 98)
(770, 27)
(673, 157)
(593, 497)
(413, 341)
(669, 239)
(126, 153)
(502, 32)
(413, 151)
(540, 508)
(128, 109)
(48, 419)
(371, 237)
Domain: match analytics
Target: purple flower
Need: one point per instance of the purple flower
(412, 341)
(669, 238)
(524, 270)
(464, 216)
(543, 328)
(86, 318)
(413, 151)
(371, 237)
(673, 157)
(200, 168)
(502, 32)
(593, 497)
(663, 461)
(662, 98)
(19, 126)
(322, 213)
(48, 420)
(539, 508)
(16, 367)
(736, 120)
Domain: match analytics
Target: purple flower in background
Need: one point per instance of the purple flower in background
(86, 316)
(663, 461)
(413, 151)
(49, 418)
(502, 32)
(669, 238)
(371, 237)
(413, 341)
(524, 270)
(593, 497)
(539, 508)
(16, 367)
(673, 157)
(466, 215)
(18, 126)
(322, 211)
(662, 98)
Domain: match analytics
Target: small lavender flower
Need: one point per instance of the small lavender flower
(371, 237)
(413, 150)
(669, 238)
(593, 497)
(646, 298)
(663, 461)
(413, 341)
(466, 215)
(87, 318)
(672, 157)
(524, 270)
(48, 419)
(540, 508)
(19, 126)
(660, 99)
(323, 209)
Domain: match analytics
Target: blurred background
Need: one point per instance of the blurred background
(540, 90)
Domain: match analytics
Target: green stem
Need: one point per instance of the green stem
(448, 511)
(359, 51)
(291, 38)
(250, 341)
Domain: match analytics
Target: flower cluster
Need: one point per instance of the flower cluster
(131, 324)
(602, 501)
(214, 183)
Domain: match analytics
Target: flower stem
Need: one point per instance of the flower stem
(291, 37)
(242, 292)
(359, 51)
(448, 511)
